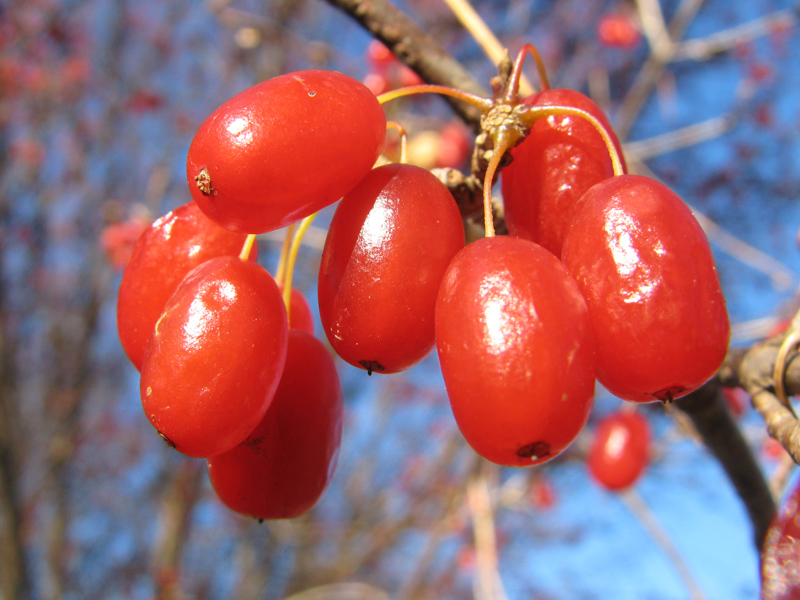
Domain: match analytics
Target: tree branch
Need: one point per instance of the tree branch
(713, 421)
(416, 49)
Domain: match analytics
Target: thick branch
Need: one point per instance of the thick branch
(416, 49)
(755, 374)
(712, 420)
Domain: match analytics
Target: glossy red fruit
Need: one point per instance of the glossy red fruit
(780, 557)
(646, 270)
(171, 247)
(516, 350)
(283, 149)
(619, 452)
(285, 465)
(562, 157)
(214, 361)
(387, 249)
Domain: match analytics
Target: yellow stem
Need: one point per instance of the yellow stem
(482, 104)
(516, 74)
(248, 246)
(291, 258)
(486, 39)
(503, 140)
(287, 240)
(539, 112)
(403, 139)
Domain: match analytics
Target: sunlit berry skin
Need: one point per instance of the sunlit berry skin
(283, 149)
(516, 350)
(387, 249)
(780, 556)
(562, 157)
(620, 450)
(167, 250)
(213, 363)
(646, 270)
(285, 465)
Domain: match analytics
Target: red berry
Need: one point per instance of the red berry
(284, 466)
(737, 400)
(619, 450)
(646, 270)
(407, 76)
(618, 31)
(283, 149)
(780, 557)
(388, 246)
(214, 361)
(454, 146)
(562, 157)
(542, 495)
(378, 83)
(118, 240)
(171, 247)
(516, 350)
(379, 55)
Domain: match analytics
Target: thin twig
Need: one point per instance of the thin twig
(684, 137)
(485, 37)
(722, 41)
(639, 508)
(488, 585)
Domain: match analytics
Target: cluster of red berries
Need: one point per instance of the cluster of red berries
(615, 281)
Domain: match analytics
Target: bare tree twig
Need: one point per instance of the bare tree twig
(722, 41)
(720, 433)
(416, 49)
(488, 585)
(638, 507)
(653, 68)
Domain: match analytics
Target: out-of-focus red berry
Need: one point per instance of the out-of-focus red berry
(408, 77)
(737, 400)
(542, 495)
(379, 56)
(378, 83)
(454, 146)
(117, 241)
(616, 30)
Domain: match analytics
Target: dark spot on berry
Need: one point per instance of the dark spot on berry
(669, 394)
(372, 365)
(260, 521)
(253, 442)
(534, 451)
(203, 180)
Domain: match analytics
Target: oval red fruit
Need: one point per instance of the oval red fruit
(214, 361)
(516, 350)
(562, 157)
(283, 149)
(286, 464)
(646, 270)
(171, 247)
(620, 449)
(387, 249)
